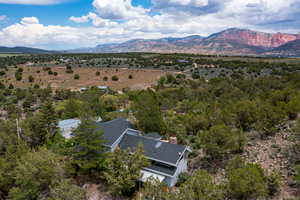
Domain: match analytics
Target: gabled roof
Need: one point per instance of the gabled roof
(154, 149)
(113, 130)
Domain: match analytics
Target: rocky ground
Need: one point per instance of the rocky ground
(272, 154)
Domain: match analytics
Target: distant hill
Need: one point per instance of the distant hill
(290, 49)
(23, 50)
(232, 41)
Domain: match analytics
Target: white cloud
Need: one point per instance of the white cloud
(96, 20)
(170, 3)
(29, 20)
(32, 2)
(66, 37)
(119, 21)
(118, 9)
(79, 19)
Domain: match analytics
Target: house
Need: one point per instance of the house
(103, 88)
(167, 160)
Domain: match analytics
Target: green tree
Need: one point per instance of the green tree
(114, 78)
(109, 102)
(70, 108)
(148, 113)
(34, 173)
(220, 140)
(123, 170)
(30, 79)
(49, 119)
(246, 112)
(88, 151)
(200, 187)
(246, 180)
(18, 76)
(42, 127)
(76, 77)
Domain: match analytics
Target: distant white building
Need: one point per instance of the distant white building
(102, 87)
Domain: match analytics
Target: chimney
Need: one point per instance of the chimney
(173, 140)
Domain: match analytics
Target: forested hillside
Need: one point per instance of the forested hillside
(240, 117)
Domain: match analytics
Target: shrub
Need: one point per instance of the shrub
(195, 76)
(50, 72)
(30, 79)
(18, 76)
(221, 140)
(55, 73)
(273, 182)
(97, 73)
(36, 86)
(246, 180)
(105, 78)
(130, 76)
(2, 73)
(182, 178)
(76, 77)
(297, 168)
(114, 78)
(11, 86)
(69, 69)
(2, 86)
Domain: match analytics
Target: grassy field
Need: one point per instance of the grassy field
(11, 54)
(140, 78)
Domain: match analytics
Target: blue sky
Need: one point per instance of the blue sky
(65, 24)
(52, 14)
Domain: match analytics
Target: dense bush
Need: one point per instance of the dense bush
(114, 78)
(76, 77)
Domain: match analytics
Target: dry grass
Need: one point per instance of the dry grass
(141, 78)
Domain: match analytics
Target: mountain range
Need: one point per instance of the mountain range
(23, 50)
(232, 41)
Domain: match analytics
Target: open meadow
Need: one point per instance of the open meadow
(56, 77)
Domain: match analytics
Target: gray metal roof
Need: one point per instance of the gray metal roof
(154, 149)
(113, 130)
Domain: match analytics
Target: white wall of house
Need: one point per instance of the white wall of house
(182, 167)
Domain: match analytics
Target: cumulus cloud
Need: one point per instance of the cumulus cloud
(96, 20)
(194, 7)
(118, 9)
(32, 2)
(79, 19)
(118, 21)
(66, 37)
(29, 20)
